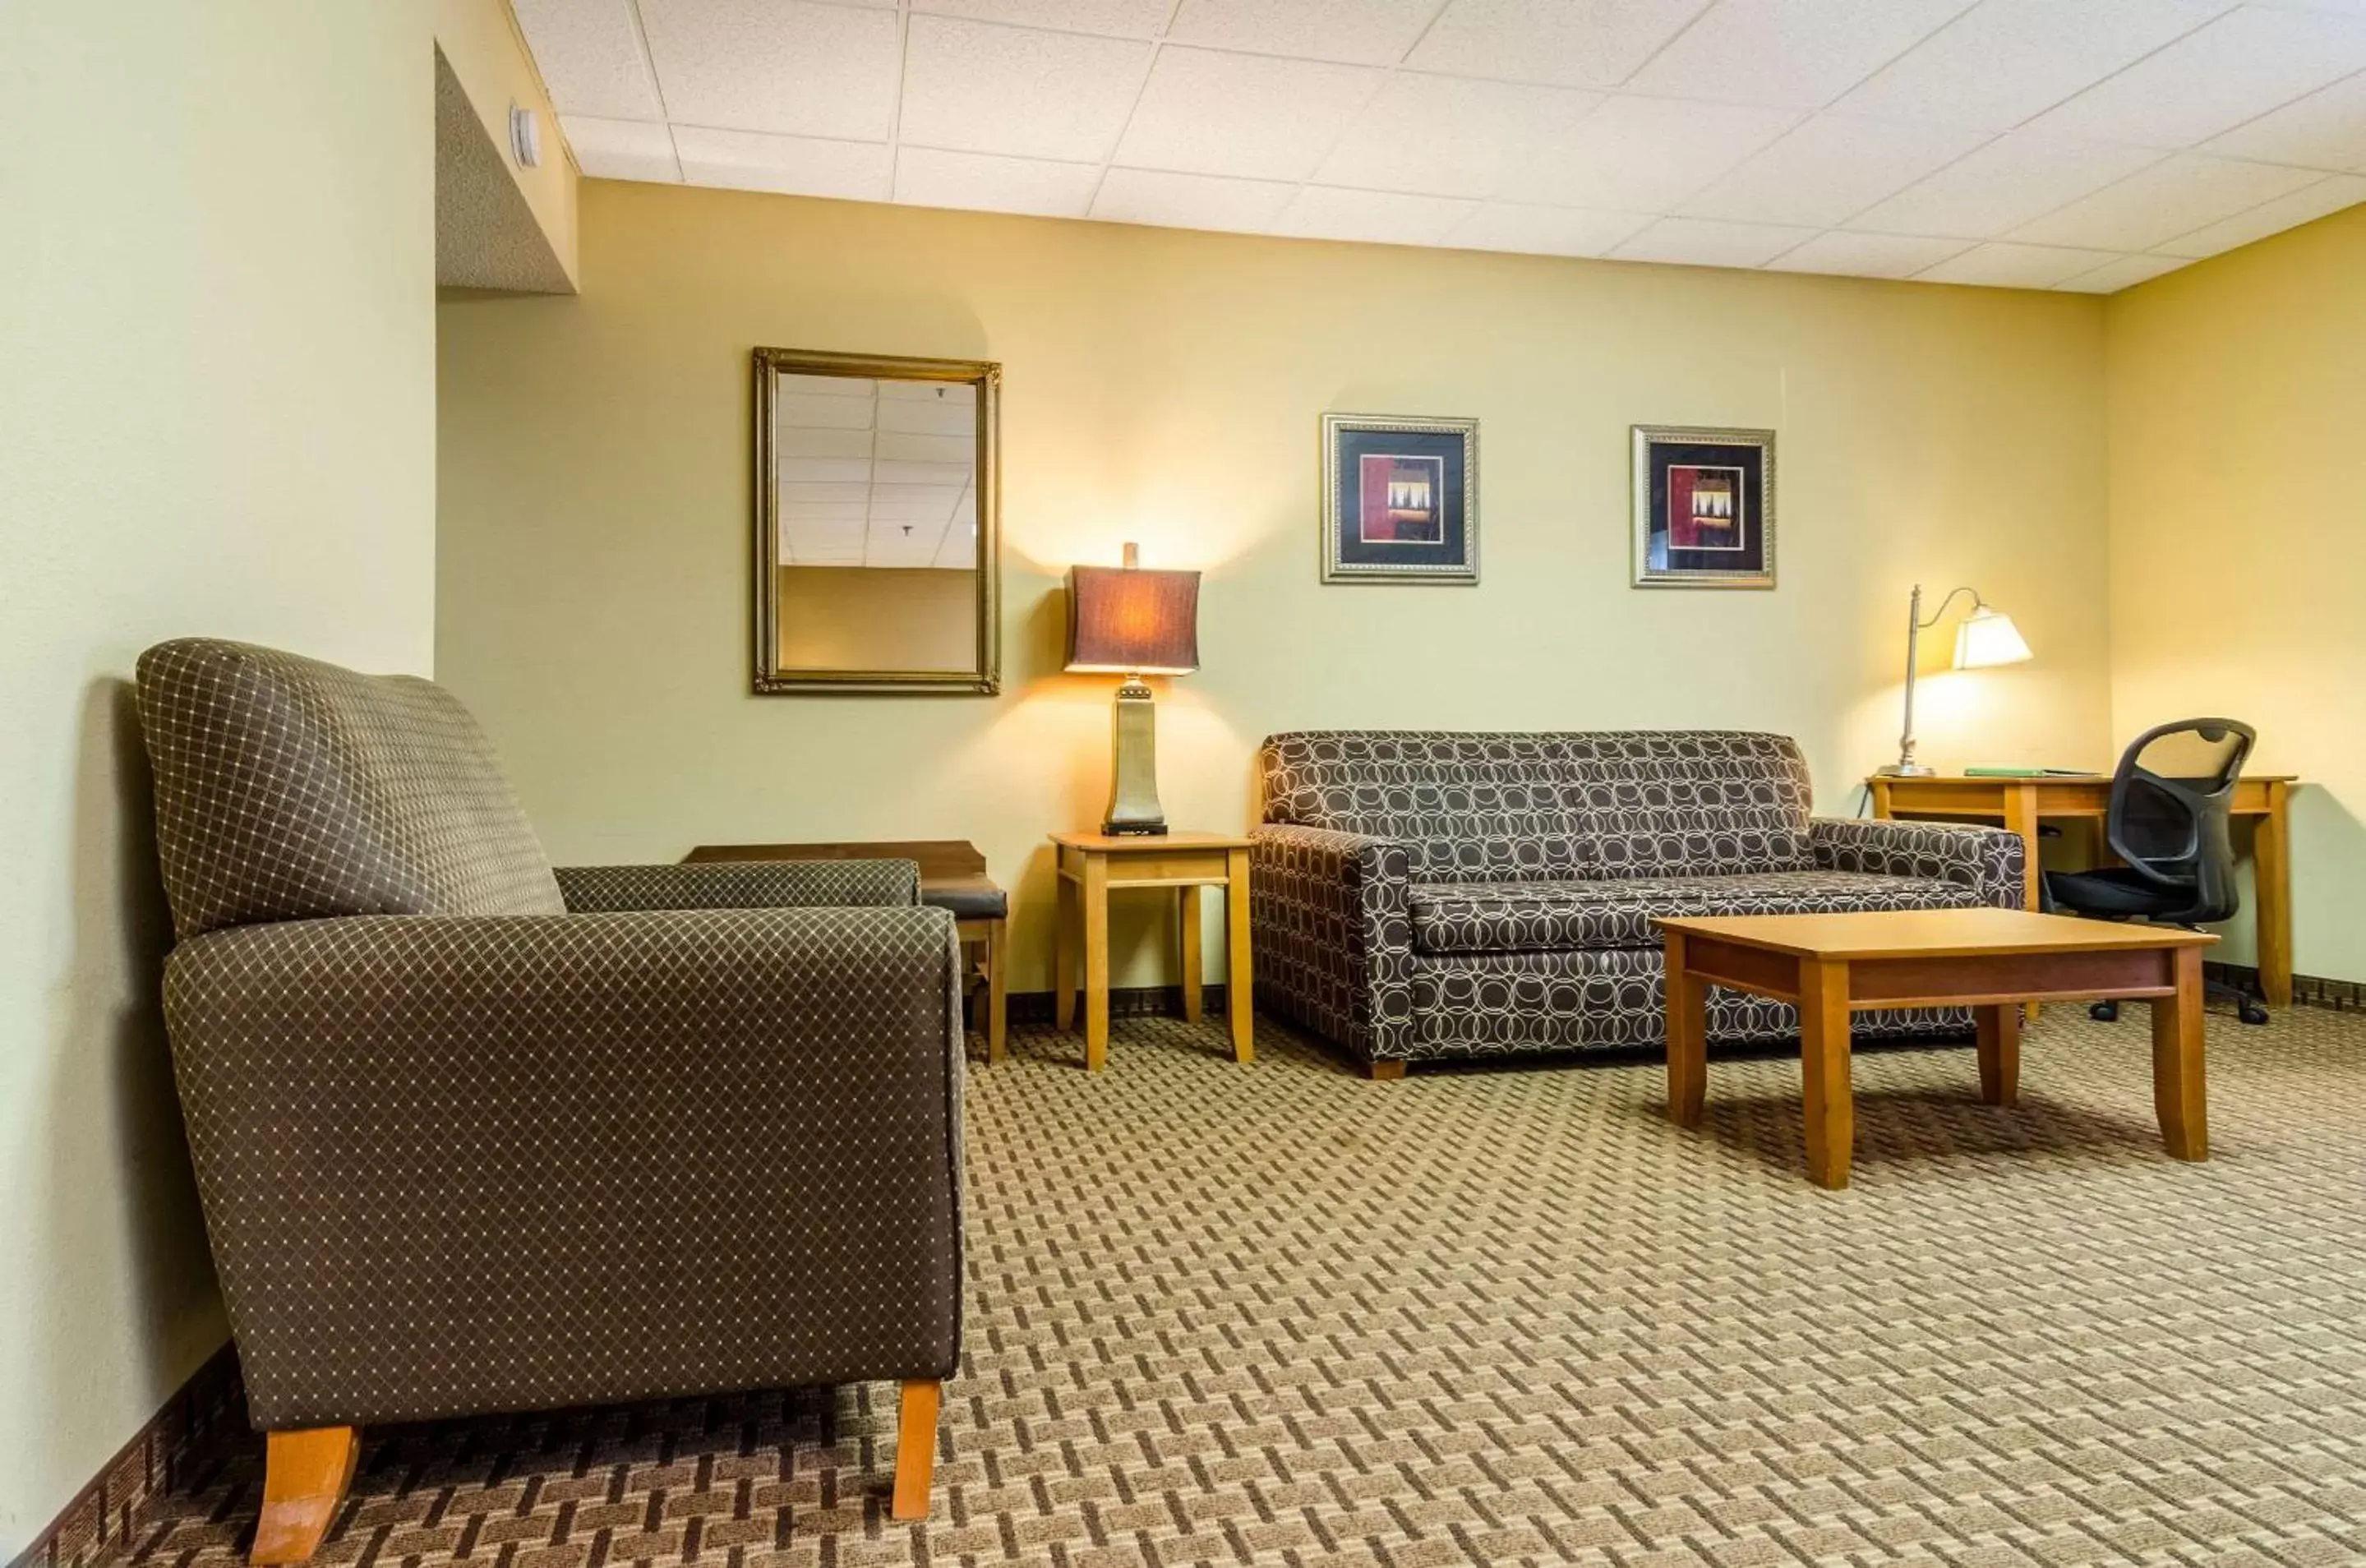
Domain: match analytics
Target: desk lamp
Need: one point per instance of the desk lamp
(1988, 636)
(1125, 621)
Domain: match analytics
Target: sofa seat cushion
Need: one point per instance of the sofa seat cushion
(1561, 916)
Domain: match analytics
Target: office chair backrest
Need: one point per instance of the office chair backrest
(2170, 811)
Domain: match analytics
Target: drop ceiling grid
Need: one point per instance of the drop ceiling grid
(2133, 137)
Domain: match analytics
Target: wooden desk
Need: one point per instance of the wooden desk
(953, 876)
(1988, 960)
(2021, 803)
(1092, 865)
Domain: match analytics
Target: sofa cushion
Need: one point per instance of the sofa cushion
(1481, 807)
(287, 789)
(1558, 917)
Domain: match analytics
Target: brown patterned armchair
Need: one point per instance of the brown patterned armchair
(473, 1135)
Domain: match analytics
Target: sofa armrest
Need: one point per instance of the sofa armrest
(1333, 934)
(739, 884)
(1986, 860)
(465, 1164)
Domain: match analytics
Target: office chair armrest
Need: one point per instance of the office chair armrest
(739, 884)
(1986, 860)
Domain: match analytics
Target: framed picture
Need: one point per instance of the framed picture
(1704, 507)
(1400, 499)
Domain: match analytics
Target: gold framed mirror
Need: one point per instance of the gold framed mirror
(878, 483)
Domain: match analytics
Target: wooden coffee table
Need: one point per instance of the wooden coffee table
(1988, 960)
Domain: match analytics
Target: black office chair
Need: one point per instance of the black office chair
(2169, 819)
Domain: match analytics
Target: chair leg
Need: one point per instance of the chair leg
(915, 1448)
(1384, 1071)
(304, 1478)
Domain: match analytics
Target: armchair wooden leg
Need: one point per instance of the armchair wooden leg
(1384, 1072)
(916, 1448)
(304, 1478)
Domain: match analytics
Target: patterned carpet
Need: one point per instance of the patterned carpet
(1278, 1314)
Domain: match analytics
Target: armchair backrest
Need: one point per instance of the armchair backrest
(287, 789)
(1481, 807)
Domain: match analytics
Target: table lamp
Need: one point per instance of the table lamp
(1987, 637)
(1125, 621)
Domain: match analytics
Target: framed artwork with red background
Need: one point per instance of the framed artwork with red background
(1704, 507)
(1400, 499)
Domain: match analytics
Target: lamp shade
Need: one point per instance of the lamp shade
(1124, 621)
(1989, 637)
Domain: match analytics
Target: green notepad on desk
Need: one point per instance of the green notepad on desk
(2031, 773)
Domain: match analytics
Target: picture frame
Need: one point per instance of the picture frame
(1400, 500)
(1704, 507)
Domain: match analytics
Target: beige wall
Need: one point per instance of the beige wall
(216, 415)
(1164, 386)
(2238, 538)
(488, 55)
(851, 617)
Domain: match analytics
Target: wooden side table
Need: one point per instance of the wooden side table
(1093, 865)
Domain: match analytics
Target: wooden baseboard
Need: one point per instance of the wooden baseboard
(103, 1514)
(2308, 990)
(1125, 1001)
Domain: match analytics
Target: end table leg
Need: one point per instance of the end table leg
(1999, 1027)
(1191, 933)
(2177, 1092)
(1096, 957)
(1239, 971)
(1824, 1066)
(998, 996)
(1064, 939)
(1687, 1037)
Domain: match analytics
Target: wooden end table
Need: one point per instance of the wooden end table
(1989, 960)
(1093, 865)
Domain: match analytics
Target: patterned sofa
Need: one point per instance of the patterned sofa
(1424, 896)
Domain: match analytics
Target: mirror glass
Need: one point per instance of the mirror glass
(876, 518)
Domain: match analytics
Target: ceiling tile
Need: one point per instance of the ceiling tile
(1190, 201)
(1545, 231)
(976, 87)
(589, 53)
(1998, 188)
(2172, 198)
(1789, 53)
(2016, 266)
(776, 66)
(927, 177)
(2325, 131)
(1645, 155)
(1868, 255)
(794, 166)
(1832, 168)
(1357, 32)
(1327, 213)
(620, 149)
(2124, 273)
(2327, 196)
(1450, 136)
(2006, 59)
(1568, 43)
(1116, 19)
(1242, 114)
(2209, 81)
(1704, 241)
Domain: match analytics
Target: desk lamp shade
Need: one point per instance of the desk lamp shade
(1989, 637)
(1125, 621)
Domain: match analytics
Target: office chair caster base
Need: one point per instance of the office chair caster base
(2103, 1012)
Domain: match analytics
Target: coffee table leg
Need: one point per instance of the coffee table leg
(1687, 1037)
(2177, 1092)
(2000, 1054)
(1824, 1065)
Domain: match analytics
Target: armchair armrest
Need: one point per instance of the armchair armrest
(461, 1164)
(1333, 934)
(1986, 860)
(738, 884)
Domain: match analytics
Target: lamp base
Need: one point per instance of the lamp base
(1905, 771)
(1133, 808)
